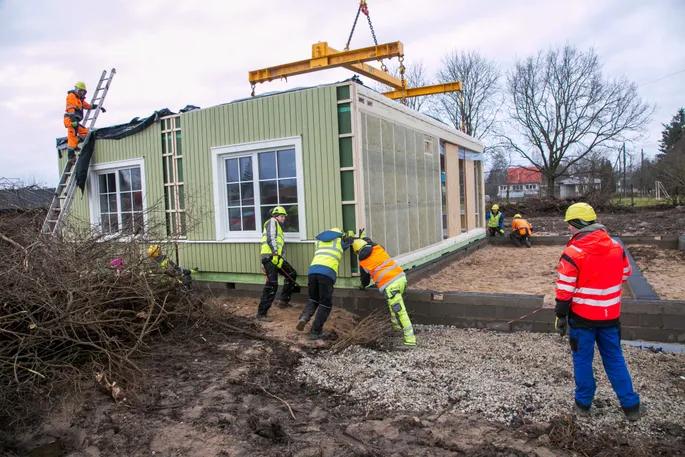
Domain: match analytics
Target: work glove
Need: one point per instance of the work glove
(501, 230)
(74, 124)
(277, 260)
(560, 325)
(350, 233)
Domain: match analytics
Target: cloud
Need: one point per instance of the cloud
(169, 54)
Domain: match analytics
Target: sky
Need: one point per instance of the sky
(169, 54)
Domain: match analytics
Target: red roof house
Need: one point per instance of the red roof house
(520, 175)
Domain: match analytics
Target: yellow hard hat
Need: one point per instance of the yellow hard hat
(80, 85)
(495, 207)
(581, 211)
(279, 211)
(517, 216)
(336, 229)
(154, 251)
(357, 245)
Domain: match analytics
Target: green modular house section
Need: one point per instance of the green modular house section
(401, 209)
(311, 114)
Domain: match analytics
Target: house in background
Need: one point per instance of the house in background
(337, 155)
(25, 198)
(577, 186)
(521, 183)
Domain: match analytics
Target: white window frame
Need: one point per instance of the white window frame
(219, 154)
(94, 197)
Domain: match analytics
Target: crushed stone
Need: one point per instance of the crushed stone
(509, 378)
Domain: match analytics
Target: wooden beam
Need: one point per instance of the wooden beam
(323, 57)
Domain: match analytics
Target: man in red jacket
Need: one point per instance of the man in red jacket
(592, 270)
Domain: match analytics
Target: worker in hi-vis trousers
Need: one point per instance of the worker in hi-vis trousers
(322, 274)
(390, 280)
(73, 115)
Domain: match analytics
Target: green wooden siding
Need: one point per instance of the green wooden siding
(310, 114)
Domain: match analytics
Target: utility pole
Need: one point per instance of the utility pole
(625, 190)
(642, 171)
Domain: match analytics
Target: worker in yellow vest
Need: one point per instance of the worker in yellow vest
(322, 275)
(390, 280)
(273, 264)
(495, 221)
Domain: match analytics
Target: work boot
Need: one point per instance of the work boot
(634, 414)
(282, 304)
(527, 243)
(318, 336)
(300, 324)
(582, 410)
(262, 318)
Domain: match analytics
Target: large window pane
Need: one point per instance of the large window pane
(292, 221)
(267, 165)
(104, 206)
(113, 223)
(234, 220)
(125, 179)
(126, 203)
(179, 169)
(249, 222)
(104, 222)
(127, 223)
(286, 164)
(246, 168)
(136, 183)
(232, 171)
(234, 194)
(102, 181)
(137, 201)
(268, 193)
(287, 191)
(266, 213)
(112, 203)
(111, 182)
(138, 223)
(247, 194)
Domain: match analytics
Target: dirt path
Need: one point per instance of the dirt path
(205, 393)
(663, 268)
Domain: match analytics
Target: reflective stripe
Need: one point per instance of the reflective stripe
(566, 287)
(409, 329)
(401, 275)
(326, 254)
(625, 278)
(378, 280)
(380, 267)
(600, 303)
(576, 248)
(329, 248)
(626, 270)
(568, 278)
(591, 291)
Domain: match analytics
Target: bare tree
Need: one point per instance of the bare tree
(474, 109)
(562, 108)
(416, 76)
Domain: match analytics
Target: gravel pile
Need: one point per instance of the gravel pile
(508, 378)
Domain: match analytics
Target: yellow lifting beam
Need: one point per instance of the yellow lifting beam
(424, 90)
(324, 57)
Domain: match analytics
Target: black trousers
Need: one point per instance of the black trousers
(320, 301)
(494, 231)
(517, 238)
(271, 285)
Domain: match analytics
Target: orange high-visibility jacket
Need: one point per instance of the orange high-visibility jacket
(522, 226)
(75, 106)
(591, 273)
(381, 267)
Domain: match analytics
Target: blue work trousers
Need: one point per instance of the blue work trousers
(609, 344)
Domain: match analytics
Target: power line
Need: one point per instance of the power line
(662, 78)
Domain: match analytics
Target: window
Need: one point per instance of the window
(250, 180)
(428, 145)
(172, 168)
(116, 202)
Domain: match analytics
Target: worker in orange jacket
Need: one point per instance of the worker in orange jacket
(390, 280)
(73, 115)
(520, 231)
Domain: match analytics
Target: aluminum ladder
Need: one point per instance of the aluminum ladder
(66, 189)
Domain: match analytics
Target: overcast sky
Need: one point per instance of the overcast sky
(170, 53)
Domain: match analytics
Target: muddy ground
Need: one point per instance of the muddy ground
(664, 269)
(646, 222)
(500, 270)
(206, 392)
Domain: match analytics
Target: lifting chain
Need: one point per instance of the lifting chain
(364, 8)
(402, 80)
